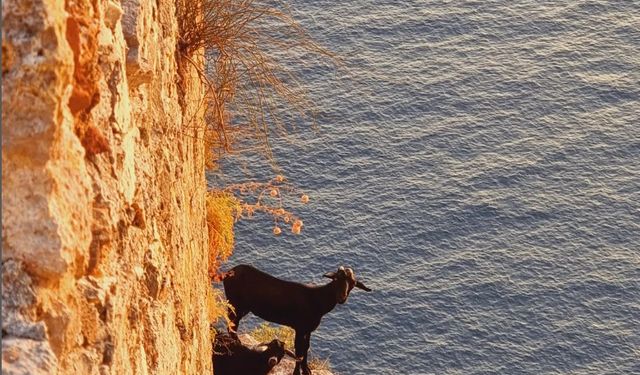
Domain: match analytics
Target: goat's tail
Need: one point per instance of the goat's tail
(221, 276)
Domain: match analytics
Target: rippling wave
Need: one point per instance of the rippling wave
(478, 164)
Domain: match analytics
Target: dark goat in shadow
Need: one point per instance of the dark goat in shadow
(296, 305)
(231, 357)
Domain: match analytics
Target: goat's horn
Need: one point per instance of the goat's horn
(361, 286)
(331, 275)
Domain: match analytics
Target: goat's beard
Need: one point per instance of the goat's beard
(342, 298)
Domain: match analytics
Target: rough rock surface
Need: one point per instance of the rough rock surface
(104, 264)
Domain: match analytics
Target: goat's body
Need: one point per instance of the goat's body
(231, 357)
(296, 305)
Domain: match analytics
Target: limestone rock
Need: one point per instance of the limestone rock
(27, 357)
(18, 299)
(104, 272)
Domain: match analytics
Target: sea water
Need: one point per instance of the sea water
(478, 164)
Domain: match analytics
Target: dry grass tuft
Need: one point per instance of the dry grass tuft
(222, 211)
(316, 363)
(265, 332)
(245, 43)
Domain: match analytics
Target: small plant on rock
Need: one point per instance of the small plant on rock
(269, 198)
(243, 201)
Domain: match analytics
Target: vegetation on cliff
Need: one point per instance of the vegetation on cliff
(244, 44)
(234, 202)
(105, 253)
(238, 49)
(233, 46)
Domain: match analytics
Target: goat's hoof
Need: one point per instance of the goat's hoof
(305, 371)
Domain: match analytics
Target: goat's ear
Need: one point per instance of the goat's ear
(361, 286)
(330, 275)
(272, 361)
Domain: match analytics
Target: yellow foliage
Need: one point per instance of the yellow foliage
(217, 307)
(266, 332)
(222, 210)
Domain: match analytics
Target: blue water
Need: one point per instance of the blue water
(478, 165)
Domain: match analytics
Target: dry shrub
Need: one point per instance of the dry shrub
(268, 198)
(226, 206)
(245, 43)
(222, 211)
(217, 307)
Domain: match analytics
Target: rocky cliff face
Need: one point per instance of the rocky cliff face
(104, 264)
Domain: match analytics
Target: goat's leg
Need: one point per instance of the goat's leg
(302, 350)
(305, 366)
(299, 352)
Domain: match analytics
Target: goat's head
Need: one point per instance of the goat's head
(346, 280)
(273, 352)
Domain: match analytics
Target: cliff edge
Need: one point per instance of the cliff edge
(104, 264)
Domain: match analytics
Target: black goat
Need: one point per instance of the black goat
(231, 357)
(298, 306)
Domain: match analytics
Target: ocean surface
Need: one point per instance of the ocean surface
(478, 164)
